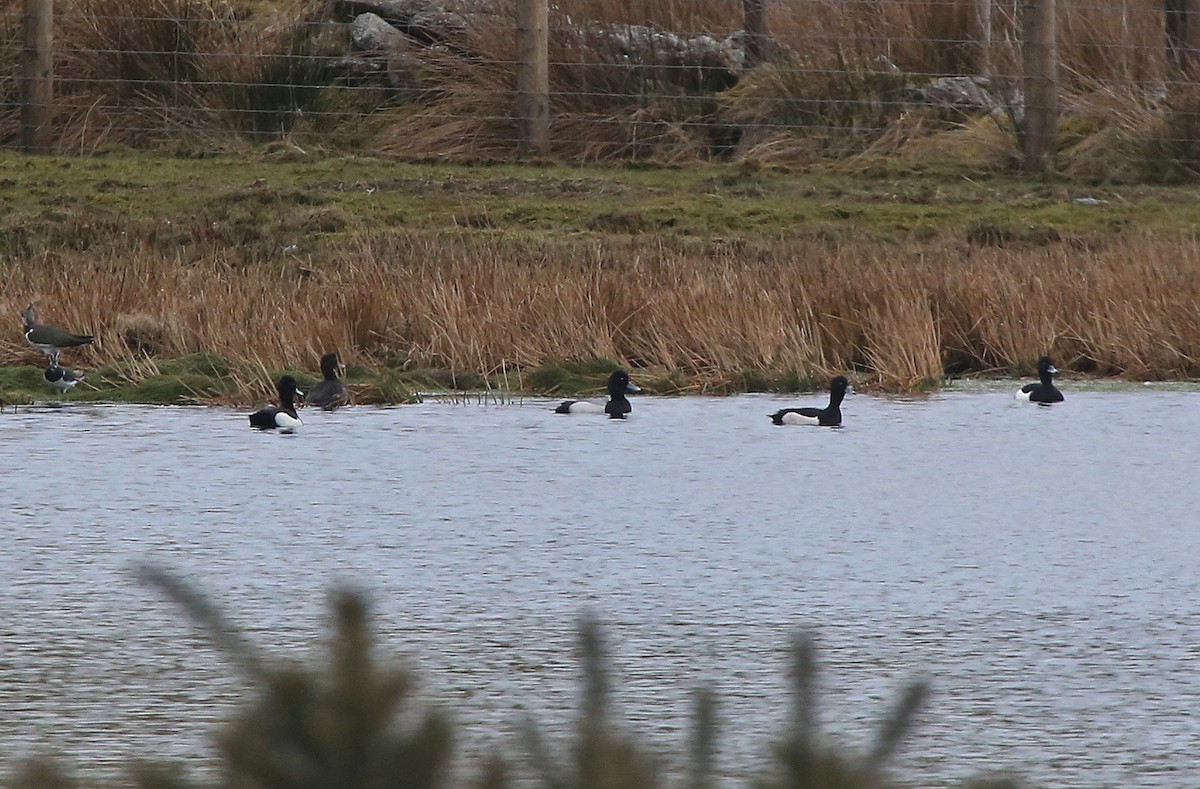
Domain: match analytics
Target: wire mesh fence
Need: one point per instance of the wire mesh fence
(670, 80)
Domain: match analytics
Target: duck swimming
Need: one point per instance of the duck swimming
(617, 406)
(829, 416)
(328, 393)
(1044, 392)
(282, 416)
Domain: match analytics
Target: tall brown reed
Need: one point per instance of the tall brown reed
(709, 312)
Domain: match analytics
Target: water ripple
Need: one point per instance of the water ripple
(1035, 565)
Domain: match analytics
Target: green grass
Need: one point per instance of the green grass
(252, 201)
(198, 378)
(20, 385)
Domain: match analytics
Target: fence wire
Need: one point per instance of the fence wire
(667, 80)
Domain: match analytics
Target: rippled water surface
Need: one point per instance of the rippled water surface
(1037, 565)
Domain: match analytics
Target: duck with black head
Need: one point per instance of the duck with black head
(829, 416)
(283, 416)
(1044, 392)
(328, 393)
(617, 406)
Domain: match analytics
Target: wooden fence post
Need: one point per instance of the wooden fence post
(983, 15)
(1040, 82)
(1177, 33)
(533, 77)
(37, 76)
(754, 22)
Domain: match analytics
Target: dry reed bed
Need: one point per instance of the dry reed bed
(901, 316)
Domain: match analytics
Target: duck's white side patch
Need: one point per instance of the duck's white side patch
(792, 418)
(584, 407)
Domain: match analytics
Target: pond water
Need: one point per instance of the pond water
(1036, 565)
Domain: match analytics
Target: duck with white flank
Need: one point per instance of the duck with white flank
(617, 406)
(1044, 392)
(50, 340)
(328, 393)
(830, 416)
(282, 416)
(60, 378)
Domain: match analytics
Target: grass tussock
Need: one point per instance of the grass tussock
(352, 721)
(694, 315)
(141, 72)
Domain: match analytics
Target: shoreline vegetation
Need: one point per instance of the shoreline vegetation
(204, 279)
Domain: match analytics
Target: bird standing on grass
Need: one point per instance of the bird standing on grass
(282, 416)
(50, 340)
(328, 393)
(1044, 392)
(830, 416)
(61, 378)
(617, 406)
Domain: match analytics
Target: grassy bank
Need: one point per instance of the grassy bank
(207, 277)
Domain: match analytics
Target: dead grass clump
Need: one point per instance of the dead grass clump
(1120, 134)
(980, 144)
(605, 103)
(1172, 149)
(141, 71)
(1120, 44)
(941, 37)
(844, 90)
(141, 334)
(828, 106)
(456, 107)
